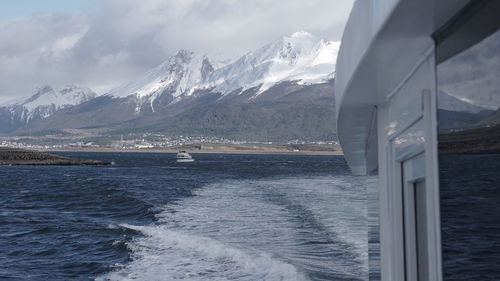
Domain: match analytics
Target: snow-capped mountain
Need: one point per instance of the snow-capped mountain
(456, 112)
(44, 102)
(283, 90)
(177, 76)
(449, 102)
(301, 57)
(473, 74)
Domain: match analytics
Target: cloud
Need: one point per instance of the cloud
(121, 39)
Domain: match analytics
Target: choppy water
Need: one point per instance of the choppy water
(223, 217)
(470, 200)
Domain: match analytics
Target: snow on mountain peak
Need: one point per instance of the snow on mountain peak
(46, 95)
(177, 75)
(300, 57)
(455, 103)
(302, 34)
(38, 93)
(46, 100)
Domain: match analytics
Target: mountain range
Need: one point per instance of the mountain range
(44, 102)
(283, 90)
(459, 113)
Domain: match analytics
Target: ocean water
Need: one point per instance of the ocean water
(470, 219)
(223, 217)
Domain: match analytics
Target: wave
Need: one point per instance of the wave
(273, 229)
(164, 254)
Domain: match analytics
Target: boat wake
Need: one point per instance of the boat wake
(273, 229)
(168, 255)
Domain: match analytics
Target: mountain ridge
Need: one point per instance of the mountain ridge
(288, 78)
(280, 91)
(44, 102)
(300, 57)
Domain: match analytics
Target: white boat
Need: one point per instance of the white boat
(386, 99)
(183, 156)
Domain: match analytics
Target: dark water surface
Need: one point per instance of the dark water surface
(223, 217)
(470, 216)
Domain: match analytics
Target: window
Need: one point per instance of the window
(469, 146)
(415, 219)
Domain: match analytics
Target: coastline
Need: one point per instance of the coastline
(219, 149)
(16, 156)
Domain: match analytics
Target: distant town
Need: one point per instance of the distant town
(159, 142)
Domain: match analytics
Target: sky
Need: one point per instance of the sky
(22, 8)
(102, 44)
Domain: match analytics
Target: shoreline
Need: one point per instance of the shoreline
(15, 157)
(199, 151)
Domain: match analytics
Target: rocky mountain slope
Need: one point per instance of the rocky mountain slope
(454, 113)
(283, 90)
(44, 102)
(301, 58)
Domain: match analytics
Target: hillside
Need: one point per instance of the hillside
(281, 91)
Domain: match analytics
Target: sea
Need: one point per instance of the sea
(470, 218)
(146, 217)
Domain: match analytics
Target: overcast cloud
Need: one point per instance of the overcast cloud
(121, 39)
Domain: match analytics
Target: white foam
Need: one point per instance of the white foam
(164, 254)
(255, 230)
